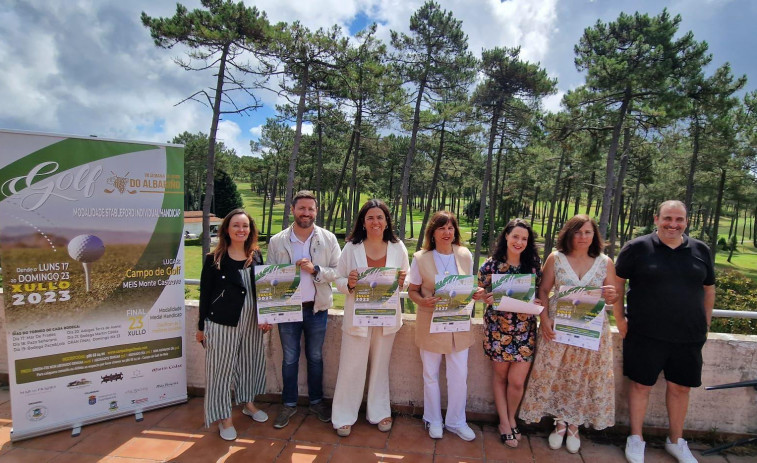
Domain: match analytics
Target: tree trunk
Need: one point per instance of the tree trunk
(342, 173)
(692, 169)
(210, 175)
(487, 179)
(434, 180)
(617, 202)
(319, 194)
(604, 218)
(409, 158)
(304, 83)
(716, 219)
(492, 195)
(548, 238)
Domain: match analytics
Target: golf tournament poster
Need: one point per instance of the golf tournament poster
(580, 316)
(278, 293)
(453, 309)
(93, 278)
(515, 293)
(377, 297)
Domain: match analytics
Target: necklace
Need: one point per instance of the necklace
(445, 259)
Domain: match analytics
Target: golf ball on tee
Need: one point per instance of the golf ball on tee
(86, 248)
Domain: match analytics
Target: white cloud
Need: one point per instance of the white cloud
(307, 128)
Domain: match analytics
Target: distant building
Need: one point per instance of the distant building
(193, 224)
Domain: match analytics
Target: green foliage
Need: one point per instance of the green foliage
(227, 197)
(733, 291)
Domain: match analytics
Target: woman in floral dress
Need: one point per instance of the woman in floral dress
(510, 337)
(573, 384)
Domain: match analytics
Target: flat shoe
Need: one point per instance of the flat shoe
(385, 425)
(227, 433)
(260, 416)
(572, 442)
(344, 431)
(557, 436)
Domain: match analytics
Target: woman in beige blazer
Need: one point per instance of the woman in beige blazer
(372, 243)
(442, 254)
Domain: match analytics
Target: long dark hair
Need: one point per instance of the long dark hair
(438, 220)
(565, 237)
(250, 244)
(359, 234)
(529, 258)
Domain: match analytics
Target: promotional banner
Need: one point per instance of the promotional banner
(580, 316)
(278, 292)
(93, 278)
(453, 310)
(377, 296)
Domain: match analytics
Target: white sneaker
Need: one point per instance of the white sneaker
(635, 449)
(680, 451)
(464, 432)
(435, 431)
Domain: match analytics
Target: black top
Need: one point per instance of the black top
(665, 298)
(223, 292)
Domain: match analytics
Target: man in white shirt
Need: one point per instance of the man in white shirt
(316, 251)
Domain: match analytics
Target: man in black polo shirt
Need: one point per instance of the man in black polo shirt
(670, 300)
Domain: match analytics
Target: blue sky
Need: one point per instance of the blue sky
(88, 67)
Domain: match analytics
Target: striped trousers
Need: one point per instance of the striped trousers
(234, 355)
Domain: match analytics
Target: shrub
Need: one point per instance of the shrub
(734, 291)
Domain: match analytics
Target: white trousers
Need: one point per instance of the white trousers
(356, 355)
(457, 387)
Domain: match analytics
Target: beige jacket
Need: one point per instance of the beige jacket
(440, 343)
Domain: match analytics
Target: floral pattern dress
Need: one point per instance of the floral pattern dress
(571, 383)
(508, 336)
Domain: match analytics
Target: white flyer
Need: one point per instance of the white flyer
(580, 316)
(453, 310)
(278, 293)
(377, 296)
(515, 293)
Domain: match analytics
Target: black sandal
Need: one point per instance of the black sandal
(505, 438)
(516, 432)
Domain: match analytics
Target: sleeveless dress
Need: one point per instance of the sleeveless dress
(571, 383)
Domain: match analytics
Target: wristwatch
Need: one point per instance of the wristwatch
(316, 270)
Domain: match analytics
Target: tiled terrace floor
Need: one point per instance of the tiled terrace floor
(177, 434)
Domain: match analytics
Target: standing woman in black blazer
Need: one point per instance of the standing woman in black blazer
(228, 327)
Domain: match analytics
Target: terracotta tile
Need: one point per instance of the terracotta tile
(448, 459)
(302, 452)
(740, 459)
(59, 441)
(365, 434)
(314, 430)
(266, 430)
(391, 456)
(356, 454)
(5, 440)
(126, 460)
(543, 454)
(495, 450)
(19, 455)
(5, 414)
(150, 418)
(452, 445)
(262, 450)
(190, 416)
(77, 458)
(591, 451)
(658, 455)
(409, 435)
(156, 444)
(106, 440)
(204, 447)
